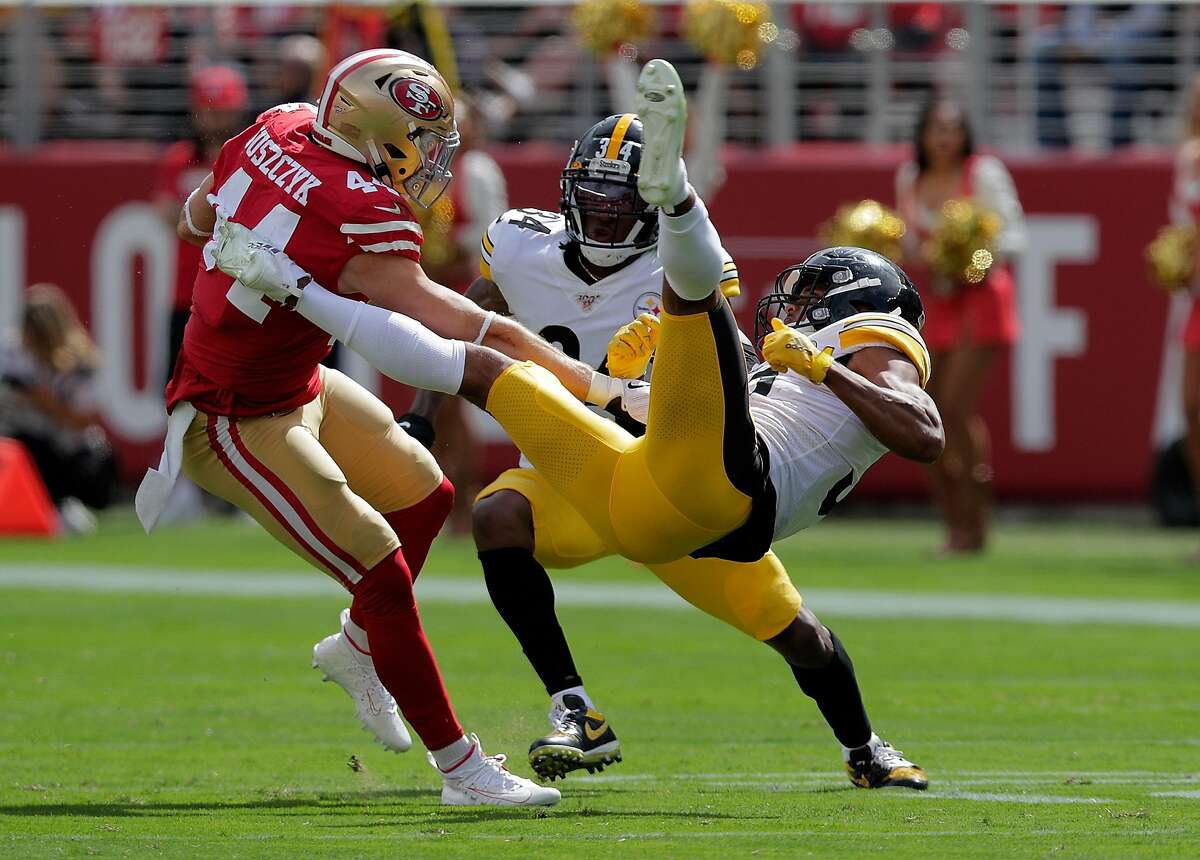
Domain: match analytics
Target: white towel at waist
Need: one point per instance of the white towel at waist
(155, 488)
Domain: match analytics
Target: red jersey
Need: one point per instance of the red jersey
(182, 169)
(244, 354)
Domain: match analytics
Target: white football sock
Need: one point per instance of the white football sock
(690, 251)
(458, 753)
(394, 344)
(357, 637)
(557, 698)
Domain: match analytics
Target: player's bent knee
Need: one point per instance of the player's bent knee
(387, 589)
(503, 520)
(441, 501)
(806, 642)
(481, 369)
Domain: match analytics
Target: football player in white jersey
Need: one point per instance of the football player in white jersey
(721, 471)
(574, 277)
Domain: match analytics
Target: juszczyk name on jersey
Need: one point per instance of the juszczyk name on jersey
(281, 169)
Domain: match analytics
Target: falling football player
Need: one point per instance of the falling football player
(729, 462)
(574, 277)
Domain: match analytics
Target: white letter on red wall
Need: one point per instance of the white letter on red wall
(1047, 331)
(12, 265)
(129, 232)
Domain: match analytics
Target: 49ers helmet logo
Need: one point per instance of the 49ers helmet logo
(417, 98)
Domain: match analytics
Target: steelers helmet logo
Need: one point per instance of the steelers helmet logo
(648, 303)
(417, 98)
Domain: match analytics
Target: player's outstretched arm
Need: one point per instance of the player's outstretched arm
(401, 285)
(419, 419)
(884, 390)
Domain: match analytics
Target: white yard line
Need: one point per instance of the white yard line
(432, 588)
(403, 832)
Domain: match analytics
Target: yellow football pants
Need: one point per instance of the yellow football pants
(317, 478)
(758, 598)
(657, 498)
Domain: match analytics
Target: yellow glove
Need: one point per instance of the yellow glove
(632, 347)
(787, 349)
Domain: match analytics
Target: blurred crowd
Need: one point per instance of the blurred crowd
(1105, 73)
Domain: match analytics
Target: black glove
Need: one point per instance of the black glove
(419, 427)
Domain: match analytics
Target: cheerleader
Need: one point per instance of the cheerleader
(967, 325)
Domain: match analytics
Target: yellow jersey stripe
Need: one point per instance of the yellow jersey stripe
(730, 266)
(485, 268)
(488, 245)
(909, 346)
(618, 135)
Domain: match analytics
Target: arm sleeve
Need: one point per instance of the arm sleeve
(394, 344)
(994, 190)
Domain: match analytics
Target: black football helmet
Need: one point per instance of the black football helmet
(605, 215)
(837, 283)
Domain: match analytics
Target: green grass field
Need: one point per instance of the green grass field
(152, 714)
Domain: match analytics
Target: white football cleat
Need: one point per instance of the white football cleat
(354, 672)
(662, 108)
(483, 780)
(256, 264)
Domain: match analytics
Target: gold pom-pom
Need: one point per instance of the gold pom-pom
(961, 247)
(1170, 255)
(437, 225)
(866, 224)
(729, 32)
(604, 26)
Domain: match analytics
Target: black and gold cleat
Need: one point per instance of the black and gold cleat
(583, 740)
(880, 765)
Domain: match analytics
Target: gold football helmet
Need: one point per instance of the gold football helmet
(392, 111)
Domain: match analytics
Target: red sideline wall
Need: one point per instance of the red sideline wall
(1071, 412)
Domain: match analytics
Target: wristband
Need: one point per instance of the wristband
(483, 329)
(603, 390)
(187, 217)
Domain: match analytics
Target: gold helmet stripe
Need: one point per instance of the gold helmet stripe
(618, 135)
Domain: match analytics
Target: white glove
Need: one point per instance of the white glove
(635, 399)
(256, 264)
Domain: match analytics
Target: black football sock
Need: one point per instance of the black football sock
(522, 594)
(835, 690)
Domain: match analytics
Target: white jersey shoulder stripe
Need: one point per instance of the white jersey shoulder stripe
(382, 227)
(400, 245)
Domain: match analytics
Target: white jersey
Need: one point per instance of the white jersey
(523, 255)
(819, 449)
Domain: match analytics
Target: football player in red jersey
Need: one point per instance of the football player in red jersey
(312, 456)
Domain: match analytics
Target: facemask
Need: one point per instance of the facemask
(607, 257)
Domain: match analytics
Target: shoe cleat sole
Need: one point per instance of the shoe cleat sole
(553, 763)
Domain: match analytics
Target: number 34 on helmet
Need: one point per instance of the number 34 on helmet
(393, 112)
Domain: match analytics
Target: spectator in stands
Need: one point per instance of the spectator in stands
(218, 104)
(1110, 35)
(48, 402)
(450, 254)
(967, 325)
(298, 69)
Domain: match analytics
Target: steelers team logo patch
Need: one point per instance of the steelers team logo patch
(417, 98)
(648, 303)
